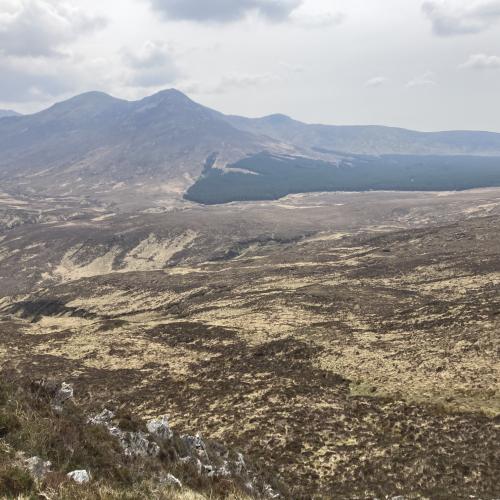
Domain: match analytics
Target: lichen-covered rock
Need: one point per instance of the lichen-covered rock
(196, 445)
(37, 467)
(212, 460)
(63, 394)
(79, 476)
(135, 444)
(103, 418)
(160, 428)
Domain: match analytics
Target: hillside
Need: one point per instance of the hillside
(94, 144)
(150, 152)
(51, 447)
(346, 341)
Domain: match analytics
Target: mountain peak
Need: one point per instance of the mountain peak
(86, 104)
(169, 95)
(93, 96)
(171, 101)
(277, 118)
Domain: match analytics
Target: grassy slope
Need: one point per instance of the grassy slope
(30, 427)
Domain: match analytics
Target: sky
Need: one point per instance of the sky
(420, 64)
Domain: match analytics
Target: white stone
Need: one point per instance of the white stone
(65, 392)
(79, 476)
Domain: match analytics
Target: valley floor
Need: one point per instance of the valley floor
(350, 342)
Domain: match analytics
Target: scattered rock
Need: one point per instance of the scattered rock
(213, 463)
(195, 461)
(223, 471)
(171, 480)
(196, 445)
(79, 476)
(209, 470)
(103, 418)
(37, 467)
(135, 444)
(63, 394)
(269, 492)
(57, 393)
(160, 428)
(194, 442)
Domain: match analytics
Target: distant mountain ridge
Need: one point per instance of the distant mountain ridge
(370, 139)
(100, 146)
(8, 112)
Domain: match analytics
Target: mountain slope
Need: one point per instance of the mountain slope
(93, 142)
(370, 140)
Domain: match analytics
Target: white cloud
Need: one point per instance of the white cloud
(230, 82)
(326, 76)
(246, 80)
(424, 80)
(376, 81)
(481, 61)
(33, 28)
(315, 18)
(151, 66)
(37, 58)
(32, 80)
(27, 80)
(455, 18)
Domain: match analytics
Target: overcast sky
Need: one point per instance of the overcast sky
(428, 65)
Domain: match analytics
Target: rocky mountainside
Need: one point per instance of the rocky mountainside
(51, 447)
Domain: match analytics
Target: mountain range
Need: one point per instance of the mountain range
(108, 148)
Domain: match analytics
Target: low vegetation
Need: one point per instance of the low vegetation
(30, 427)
